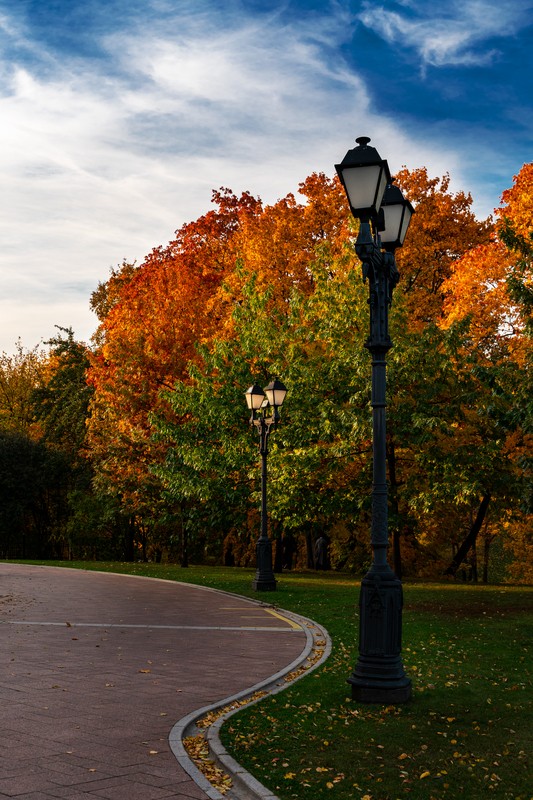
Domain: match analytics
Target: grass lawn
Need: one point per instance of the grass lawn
(467, 732)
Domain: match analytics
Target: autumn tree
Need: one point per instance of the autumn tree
(247, 292)
(20, 374)
(153, 315)
(483, 294)
(316, 346)
(443, 229)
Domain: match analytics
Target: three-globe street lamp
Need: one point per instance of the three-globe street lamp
(264, 405)
(384, 215)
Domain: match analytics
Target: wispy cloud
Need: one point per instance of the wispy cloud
(105, 152)
(454, 34)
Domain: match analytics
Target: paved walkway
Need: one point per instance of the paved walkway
(95, 670)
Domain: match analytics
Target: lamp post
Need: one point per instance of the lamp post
(264, 405)
(384, 215)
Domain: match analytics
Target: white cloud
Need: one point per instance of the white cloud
(102, 161)
(453, 34)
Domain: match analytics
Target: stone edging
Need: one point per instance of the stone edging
(244, 786)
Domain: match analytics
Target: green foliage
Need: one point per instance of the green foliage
(169, 462)
(316, 455)
(61, 402)
(32, 496)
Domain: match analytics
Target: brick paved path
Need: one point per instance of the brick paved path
(95, 669)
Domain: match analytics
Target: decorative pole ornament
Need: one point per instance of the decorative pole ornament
(384, 215)
(264, 405)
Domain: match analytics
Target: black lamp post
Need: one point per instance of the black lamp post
(384, 215)
(264, 405)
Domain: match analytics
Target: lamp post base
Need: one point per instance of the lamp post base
(379, 676)
(264, 580)
(381, 695)
(264, 586)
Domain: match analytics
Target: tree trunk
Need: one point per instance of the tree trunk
(487, 541)
(470, 539)
(486, 551)
(184, 547)
(129, 540)
(310, 546)
(473, 561)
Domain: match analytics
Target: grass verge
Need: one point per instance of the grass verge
(467, 731)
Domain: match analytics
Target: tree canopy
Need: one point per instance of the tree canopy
(150, 419)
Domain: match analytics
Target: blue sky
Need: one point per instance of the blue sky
(118, 118)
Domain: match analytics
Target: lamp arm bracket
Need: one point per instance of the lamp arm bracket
(264, 425)
(368, 251)
(391, 272)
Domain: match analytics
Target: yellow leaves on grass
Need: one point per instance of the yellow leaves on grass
(330, 783)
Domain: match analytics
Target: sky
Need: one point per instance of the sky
(119, 117)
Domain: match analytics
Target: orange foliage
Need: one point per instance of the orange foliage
(443, 228)
(518, 203)
(477, 288)
(151, 321)
(152, 316)
(278, 246)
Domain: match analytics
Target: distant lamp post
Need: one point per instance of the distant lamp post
(264, 405)
(384, 215)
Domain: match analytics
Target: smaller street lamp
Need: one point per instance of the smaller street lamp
(264, 405)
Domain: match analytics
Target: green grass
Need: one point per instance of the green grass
(467, 731)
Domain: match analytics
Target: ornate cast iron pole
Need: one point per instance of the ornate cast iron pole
(378, 676)
(264, 405)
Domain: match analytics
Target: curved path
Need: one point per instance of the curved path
(95, 670)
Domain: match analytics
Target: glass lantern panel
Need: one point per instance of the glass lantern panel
(365, 186)
(275, 392)
(405, 223)
(254, 397)
(393, 223)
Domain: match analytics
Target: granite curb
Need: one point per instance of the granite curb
(244, 786)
